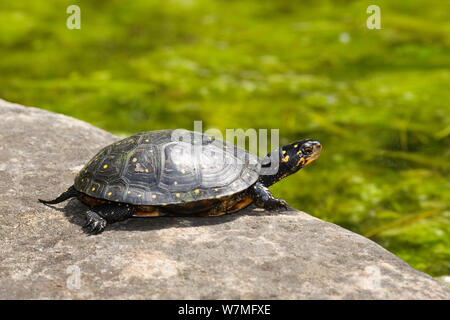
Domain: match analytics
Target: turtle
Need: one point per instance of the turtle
(177, 172)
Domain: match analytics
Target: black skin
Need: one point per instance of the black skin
(291, 158)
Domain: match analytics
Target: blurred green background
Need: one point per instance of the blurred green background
(378, 100)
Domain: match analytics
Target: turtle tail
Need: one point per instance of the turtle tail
(69, 193)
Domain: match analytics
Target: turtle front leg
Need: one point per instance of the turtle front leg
(98, 216)
(264, 199)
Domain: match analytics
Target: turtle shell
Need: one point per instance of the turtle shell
(168, 167)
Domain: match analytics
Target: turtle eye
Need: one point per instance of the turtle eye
(308, 150)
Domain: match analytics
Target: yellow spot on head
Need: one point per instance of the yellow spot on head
(134, 159)
(154, 196)
(109, 193)
(146, 170)
(175, 183)
(302, 161)
(178, 195)
(216, 189)
(183, 171)
(93, 189)
(105, 166)
(197, 191)
(139, 195)
(129, 192)
(296, 146)
(285, 159)
(146, 140)
(284, 151)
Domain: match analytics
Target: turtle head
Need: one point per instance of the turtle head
(300, 154)
(292, 157)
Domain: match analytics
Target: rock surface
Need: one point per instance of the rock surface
(247, 255)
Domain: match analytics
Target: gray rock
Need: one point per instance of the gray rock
(247, 255)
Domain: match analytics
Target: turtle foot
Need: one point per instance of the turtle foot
(275, 204)
(94, 223)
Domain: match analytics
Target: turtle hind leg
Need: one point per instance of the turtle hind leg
(94, 223)
(69, 193)
(98, 216)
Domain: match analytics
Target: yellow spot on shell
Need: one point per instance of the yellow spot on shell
(109, 193)
(146, 170)
(285, 159)
(183, 171)
(134, 159)
(93, 189)
(175, 183)
(105, 166)
(139, 195)
(197, 191)
(146, 140)
(154, 196)
(178, 195)
(296, 146)
(216, 189)
(129, 192)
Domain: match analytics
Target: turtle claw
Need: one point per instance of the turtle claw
(94, 223)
